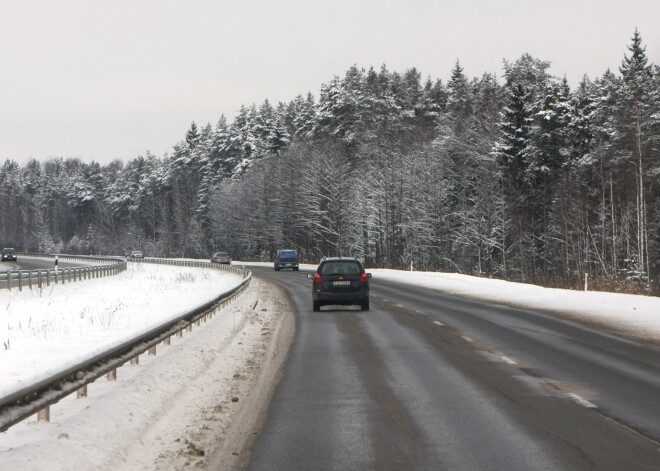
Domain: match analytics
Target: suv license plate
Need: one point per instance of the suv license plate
(341, 283)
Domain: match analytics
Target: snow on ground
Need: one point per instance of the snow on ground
(197, 402)
(43, 331)
(194, 404)
(629, 315)
(636, 317)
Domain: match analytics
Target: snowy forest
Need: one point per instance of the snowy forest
(518, 177)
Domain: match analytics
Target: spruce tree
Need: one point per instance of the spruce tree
(192, 135)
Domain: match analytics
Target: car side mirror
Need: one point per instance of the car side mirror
(311, 276)
(369, 275)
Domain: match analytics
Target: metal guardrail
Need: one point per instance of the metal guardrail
(108, 266)
(38, 397)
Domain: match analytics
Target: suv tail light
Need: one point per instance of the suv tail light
(364, 278)
(317, 279)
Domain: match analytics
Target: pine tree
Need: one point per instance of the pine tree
(459, 102)
(635, 138)
(510, 153)
(192, 135)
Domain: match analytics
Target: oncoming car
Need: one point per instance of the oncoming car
(8, 255)
(340, 281)
(137, 254)
(221, 257)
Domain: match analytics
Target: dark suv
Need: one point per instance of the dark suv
(287, 259)
(340, 281)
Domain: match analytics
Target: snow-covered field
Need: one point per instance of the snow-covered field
(44, 331)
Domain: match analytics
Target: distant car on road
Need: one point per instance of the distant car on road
(287, 259)
(8, 255)
(136, 254)
(340, 281)
(221, 257)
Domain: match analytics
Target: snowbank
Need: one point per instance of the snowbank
(46, 331)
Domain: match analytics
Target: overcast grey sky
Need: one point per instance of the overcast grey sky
(105, 80)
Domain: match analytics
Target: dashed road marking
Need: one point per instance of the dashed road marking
(582, 401)
(438, 323)
(467, 338)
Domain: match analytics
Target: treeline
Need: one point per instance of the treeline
(523, 179)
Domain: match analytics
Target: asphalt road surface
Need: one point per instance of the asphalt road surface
(434, 382)
(28, 263)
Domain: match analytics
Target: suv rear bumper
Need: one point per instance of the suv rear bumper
(286, 265)
(339, 298)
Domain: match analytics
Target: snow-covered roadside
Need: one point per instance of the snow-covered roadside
(195, 404)
(45, 331)
(631, 316)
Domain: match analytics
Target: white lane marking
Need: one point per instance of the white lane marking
(508, 360)
(438, 323)
(418, 311)
(467, 338)
(582, 401)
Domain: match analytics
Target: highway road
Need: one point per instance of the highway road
(28, 263)
(434, 382)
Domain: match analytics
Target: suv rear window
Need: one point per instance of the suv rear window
(288, 253)
(340, 268)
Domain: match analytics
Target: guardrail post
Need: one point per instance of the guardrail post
(112, 375)
(167, 341)
(20, 281)
(135, 360)
(44, 415)
(39, 279)
(82, 392)
(152, 351)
